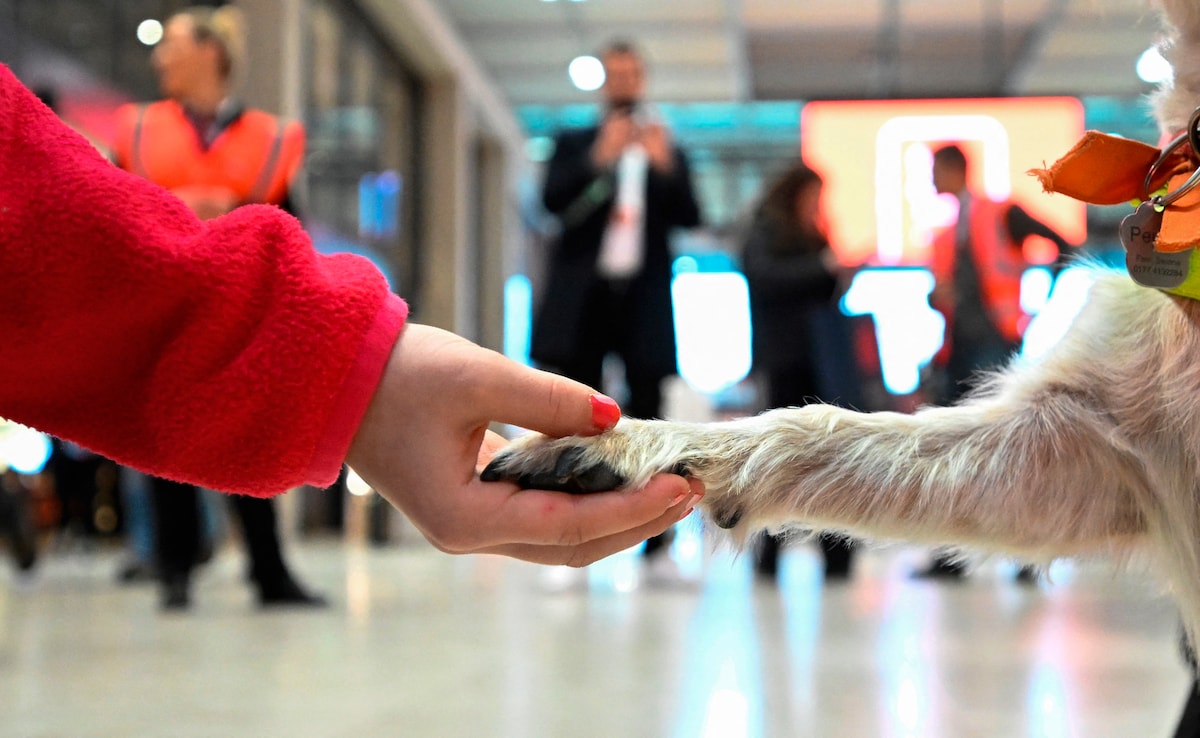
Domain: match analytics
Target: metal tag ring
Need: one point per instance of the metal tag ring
(1192, 137)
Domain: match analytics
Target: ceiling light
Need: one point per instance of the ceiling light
(1153, 68)
(586, 72)
(150, 32)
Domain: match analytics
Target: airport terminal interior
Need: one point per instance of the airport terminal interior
(430, 129)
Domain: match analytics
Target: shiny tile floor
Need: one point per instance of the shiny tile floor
(422, 644)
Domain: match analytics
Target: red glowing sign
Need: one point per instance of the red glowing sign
(875, 158)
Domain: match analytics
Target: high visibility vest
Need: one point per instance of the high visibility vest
(255, 157)
(999, 264)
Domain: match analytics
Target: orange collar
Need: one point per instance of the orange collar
(1108, 170)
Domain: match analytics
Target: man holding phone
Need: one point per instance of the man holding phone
(618, 188)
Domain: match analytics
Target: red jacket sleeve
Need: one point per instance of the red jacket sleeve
(226, 353)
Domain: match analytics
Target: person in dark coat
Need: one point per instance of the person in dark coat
(801, 341)
(619, 189)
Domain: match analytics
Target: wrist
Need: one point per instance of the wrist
(364, 390)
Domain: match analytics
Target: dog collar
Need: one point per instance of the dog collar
(1161, 235)
(1191, 285)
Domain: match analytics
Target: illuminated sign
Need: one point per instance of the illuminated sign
(875, 157)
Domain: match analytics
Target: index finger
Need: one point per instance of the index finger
(544, 402)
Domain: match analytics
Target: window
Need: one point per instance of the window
(362, 110)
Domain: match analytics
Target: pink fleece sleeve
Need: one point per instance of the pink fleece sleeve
(226, 353)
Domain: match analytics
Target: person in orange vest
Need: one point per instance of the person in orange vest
(215, 154)
(202, 144)
(977, 268)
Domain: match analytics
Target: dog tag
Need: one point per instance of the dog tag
(1148, 267)
(1141, 226)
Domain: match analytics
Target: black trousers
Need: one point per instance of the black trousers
(795, 385)
(177, 515)
(606, 329)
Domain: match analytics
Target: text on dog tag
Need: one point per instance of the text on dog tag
(1148, 267)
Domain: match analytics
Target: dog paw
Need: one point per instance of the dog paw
(560, 469)
(737, 491)
(626, 456)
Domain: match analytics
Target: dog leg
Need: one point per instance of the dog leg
(1056, 459)
(1092, 450)
(1043, 479)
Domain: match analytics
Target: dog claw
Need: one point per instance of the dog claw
(727, 519)
(568, 475)
(566, 465)
(494, 472)
(596, 478)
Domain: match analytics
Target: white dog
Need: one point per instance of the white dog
(1093, 450)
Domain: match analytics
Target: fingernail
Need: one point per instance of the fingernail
(691, 497)
(605, 411)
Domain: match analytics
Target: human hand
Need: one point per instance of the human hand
(616, 132)
(657, 141)
(425, 436)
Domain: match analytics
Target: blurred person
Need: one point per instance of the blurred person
(228, 353)
(618, 189)
(802, 344)
(977, 267)
(139, 563)
(77, 472)
(16, 521)
(215, 154)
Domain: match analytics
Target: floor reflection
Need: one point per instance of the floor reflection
(420, 643)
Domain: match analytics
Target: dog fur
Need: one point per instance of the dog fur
(1094, 449)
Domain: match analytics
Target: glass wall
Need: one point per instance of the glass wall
(362, 109)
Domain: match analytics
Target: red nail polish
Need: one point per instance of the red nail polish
(605, 411)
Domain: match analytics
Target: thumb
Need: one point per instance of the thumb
(548, 403)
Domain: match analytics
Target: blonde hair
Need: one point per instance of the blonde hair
(225, 26)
